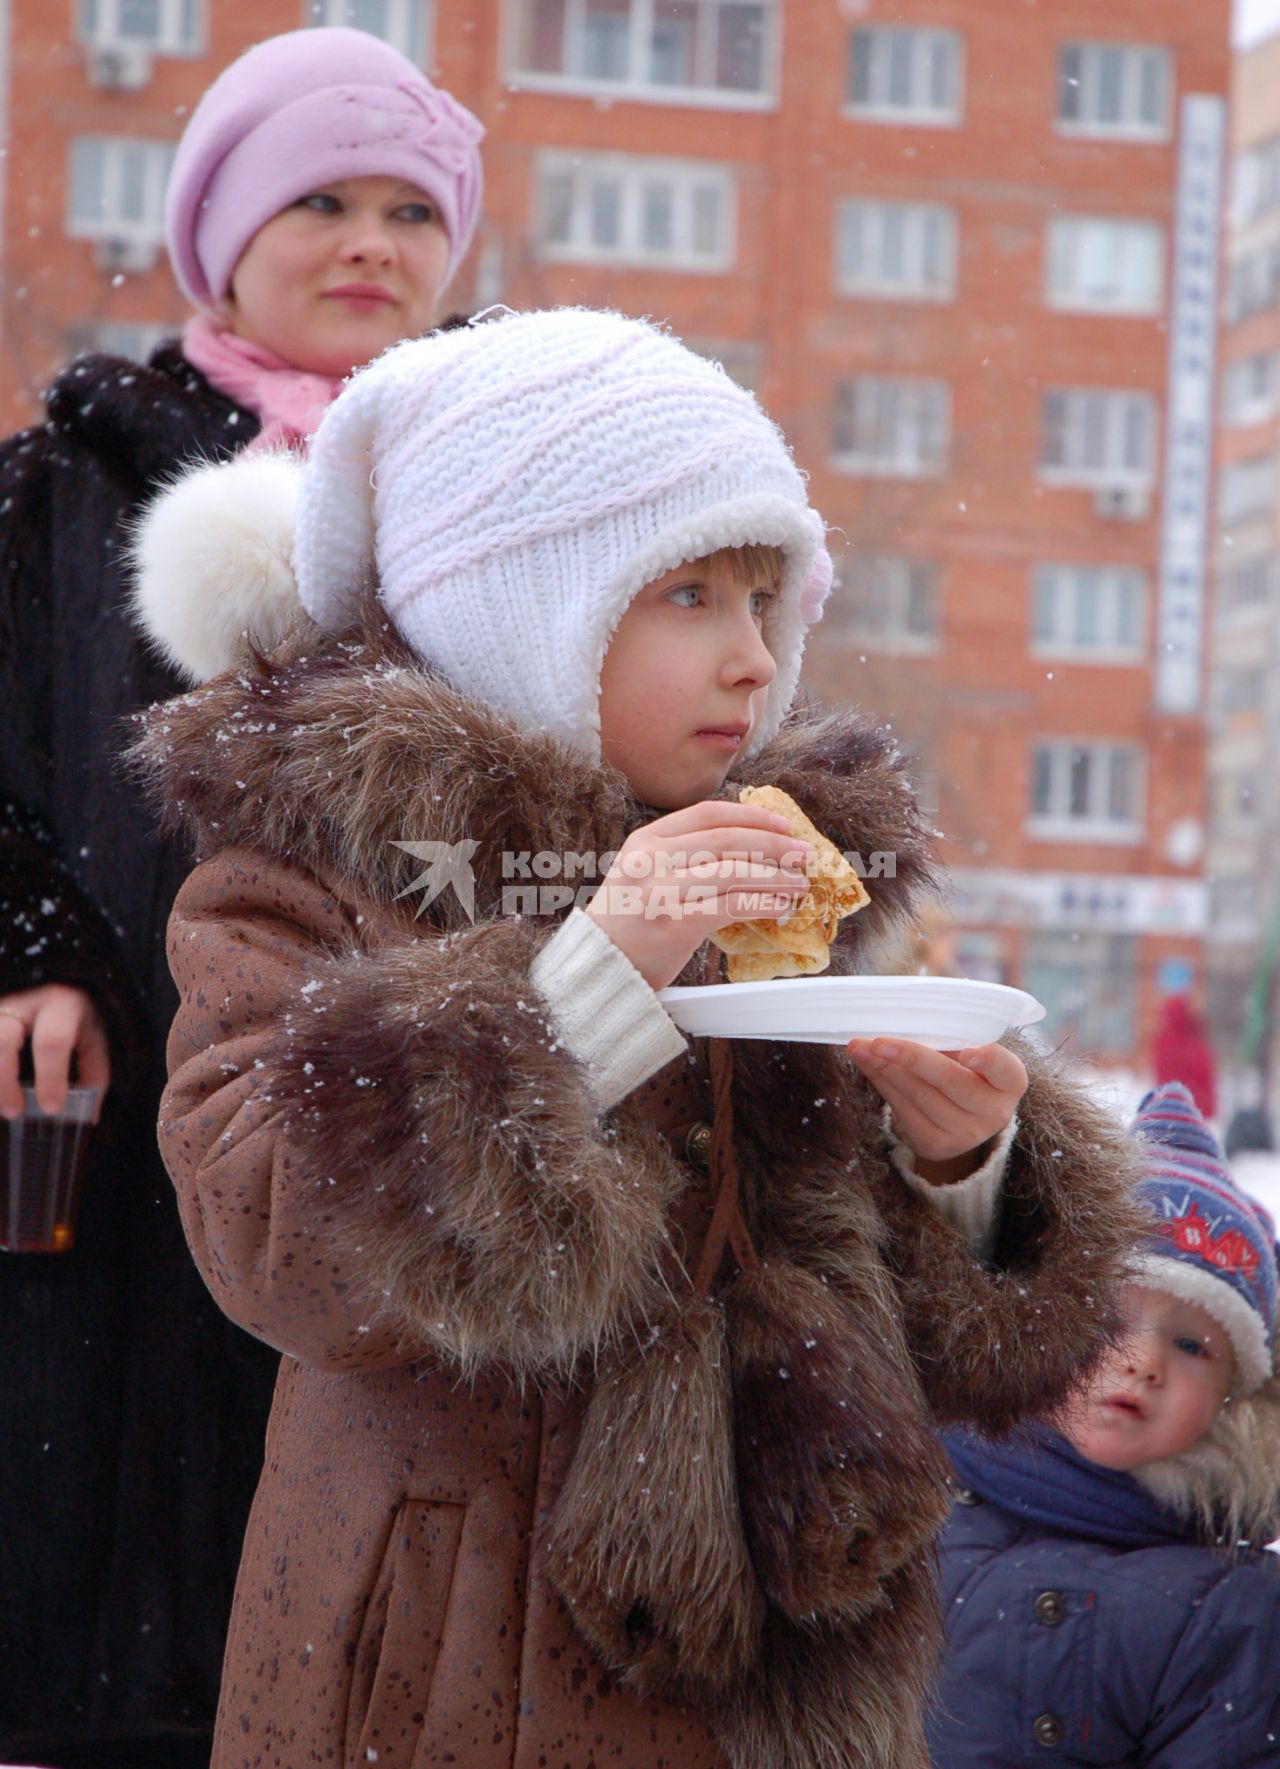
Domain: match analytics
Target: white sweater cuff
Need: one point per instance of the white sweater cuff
(604, 1012)
(972, 1204)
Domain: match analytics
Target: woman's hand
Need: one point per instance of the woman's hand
(61, 1022)
(947, 1105)
(679, 878)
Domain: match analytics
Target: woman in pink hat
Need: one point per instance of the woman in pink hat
(322, 197)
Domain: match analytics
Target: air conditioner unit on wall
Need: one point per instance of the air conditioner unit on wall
(120, 252)
(118, 67)
(1123, 503)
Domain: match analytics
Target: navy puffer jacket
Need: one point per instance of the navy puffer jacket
(1070, 1650)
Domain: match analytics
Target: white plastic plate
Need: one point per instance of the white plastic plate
(946, 1013)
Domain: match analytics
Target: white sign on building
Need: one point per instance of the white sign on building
(1189, 410)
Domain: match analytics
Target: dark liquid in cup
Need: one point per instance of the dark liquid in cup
(41, 1163)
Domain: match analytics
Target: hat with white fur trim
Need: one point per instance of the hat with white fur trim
(1212, 1245)
(510, 486)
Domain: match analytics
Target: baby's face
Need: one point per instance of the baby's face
(1159, 1391)
(685, 680)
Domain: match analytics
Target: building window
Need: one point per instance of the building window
(1088, 984)
(1097, 437)
(1098, 265)
(1251, 388)
(117, 189)
(1247, 488)
(722, 51)
(1247, 583)
(1253, 282)
(892, 426)
(1257, 182)
(905, 74)
(1086, 791)
(1235, 909)
(620, 209)
(1236, 796)
(1239, 690)
(903, 250)
(890, 603)
(1095, 612)
(166, 27)
(1114, 89)
(405, 24)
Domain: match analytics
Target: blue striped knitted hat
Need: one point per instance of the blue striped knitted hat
(1212, 1245)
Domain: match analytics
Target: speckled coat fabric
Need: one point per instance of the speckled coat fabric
(529, 1502)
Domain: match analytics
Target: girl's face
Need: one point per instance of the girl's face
(340, 274)
(685, 680)
(1159, 1391)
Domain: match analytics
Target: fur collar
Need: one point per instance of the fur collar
(147, 418)
(331, 750)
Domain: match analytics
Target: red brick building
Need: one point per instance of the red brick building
(955, 244)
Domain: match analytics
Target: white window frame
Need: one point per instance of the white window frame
(1252, 282)
(98, 27)
(634, 172)
(903, 463)
(1066, 584)
(1242, 404)
(1247, 489)
(1091, 51)
(410, 26)
(895, 576)
(1063, 247)
(1114, 471)
(1248, 587)
(1058, 823)
(113, 224)
(632, 87)
(918, 110)
(915, 220)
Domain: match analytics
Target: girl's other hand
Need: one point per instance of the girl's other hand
(947, 1106)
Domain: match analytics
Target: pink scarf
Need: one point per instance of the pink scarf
(289, 402)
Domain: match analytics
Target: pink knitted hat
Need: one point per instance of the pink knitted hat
(299, 111)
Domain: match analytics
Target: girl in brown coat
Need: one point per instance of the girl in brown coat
(605, 1426)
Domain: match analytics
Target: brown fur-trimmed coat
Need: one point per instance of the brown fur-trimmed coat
(528, 1500)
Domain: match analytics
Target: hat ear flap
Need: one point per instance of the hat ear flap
(334, 552)
(212, 563)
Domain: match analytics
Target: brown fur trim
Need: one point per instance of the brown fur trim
(841, 1477)
(503, 1225)
(998, 1344)
(645, 1544)
(1229, 1482)
(840, 1696)
(332, 749)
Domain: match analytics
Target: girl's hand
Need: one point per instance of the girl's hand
(63, 1025)
(947, 1105)
(679, 878)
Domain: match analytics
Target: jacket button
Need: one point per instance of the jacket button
(697, 1147)
(1050, 1608)
(1047, 1730)
(965, 1497)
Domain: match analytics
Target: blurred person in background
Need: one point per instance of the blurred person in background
(1181, 1051)
(322, 196)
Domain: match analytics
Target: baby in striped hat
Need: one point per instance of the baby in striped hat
(1200, 1306)
(1104, 1578)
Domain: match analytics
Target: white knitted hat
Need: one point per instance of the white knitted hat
(511, 485)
